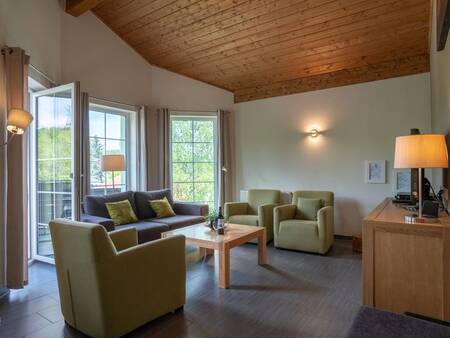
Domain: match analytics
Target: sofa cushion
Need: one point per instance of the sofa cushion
(95, 205)
(295, 228)
(144, 211)
(121, 212)
(244, 219)
(162, 208)
(180, 221)
(146, 230)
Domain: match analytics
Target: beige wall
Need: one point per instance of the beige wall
(440, 92)
(359, 123)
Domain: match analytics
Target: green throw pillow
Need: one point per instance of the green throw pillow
(162, 208)
(307, 208)
(121, 212)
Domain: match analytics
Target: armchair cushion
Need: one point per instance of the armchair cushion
(307, 208)
(244, 219)
(298, 235)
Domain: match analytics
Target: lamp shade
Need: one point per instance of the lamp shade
(112, 163)
(18, 121)
(421, 151)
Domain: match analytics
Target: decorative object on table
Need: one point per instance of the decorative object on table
(210, 219)
(375, 171)
(18, 122)
(419, 152)
(113, 163)
(220, 222)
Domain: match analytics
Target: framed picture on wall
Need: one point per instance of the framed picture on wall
(375, 171)
(402, 181)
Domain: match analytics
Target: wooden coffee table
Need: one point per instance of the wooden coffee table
(235, 234)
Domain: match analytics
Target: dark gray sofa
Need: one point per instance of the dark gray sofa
(149, 227)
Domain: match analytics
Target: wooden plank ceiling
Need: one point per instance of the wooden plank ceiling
(265, 48)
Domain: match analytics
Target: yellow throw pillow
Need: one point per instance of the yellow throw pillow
(121, 212)
(162, 208)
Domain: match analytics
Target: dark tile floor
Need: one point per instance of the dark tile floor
(297, 295)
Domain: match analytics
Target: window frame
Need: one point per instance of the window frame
(131, 150)
(197, 116)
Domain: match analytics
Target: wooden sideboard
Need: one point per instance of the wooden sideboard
(406, 267)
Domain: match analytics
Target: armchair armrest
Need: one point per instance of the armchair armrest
(124, 238)
(235, 208)
(265, 213)
(184, 208)
(325, 221)
(281, 213)
(106, 222)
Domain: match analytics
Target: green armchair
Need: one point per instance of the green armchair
(308, 227)
(258, 211)
(108, 284)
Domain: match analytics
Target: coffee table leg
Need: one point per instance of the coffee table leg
(262, 248)
(224, 267)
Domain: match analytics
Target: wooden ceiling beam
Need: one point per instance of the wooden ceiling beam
(393, 68)
(78, 7)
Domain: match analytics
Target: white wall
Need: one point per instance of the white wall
(440, 91)
(359, 122)
(108, 68)
(35, 27)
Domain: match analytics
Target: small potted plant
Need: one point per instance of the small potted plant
(211, 218)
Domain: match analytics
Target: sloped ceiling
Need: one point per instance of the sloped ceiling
(266, 48)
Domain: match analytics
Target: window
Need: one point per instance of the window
(109, 134)
(194, 159)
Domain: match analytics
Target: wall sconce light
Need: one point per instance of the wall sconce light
(18, 121)
(314, 133)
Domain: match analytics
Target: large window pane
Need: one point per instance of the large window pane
(181, 131)
(194, 160)
(204, 152)
(96, 124)
(108, 135)
(183, 172)
(203, 131)
(53, 141)
(115, 126)
(183, 192)
(182, 152)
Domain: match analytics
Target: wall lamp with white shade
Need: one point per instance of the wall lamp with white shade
(18, 121)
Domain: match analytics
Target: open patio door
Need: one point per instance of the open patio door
(55, 143)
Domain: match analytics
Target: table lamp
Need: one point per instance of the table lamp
(421, 151)
(112, 163)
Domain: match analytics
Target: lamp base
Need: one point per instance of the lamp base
(414, 218)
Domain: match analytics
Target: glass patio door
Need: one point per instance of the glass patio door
(54, 158)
